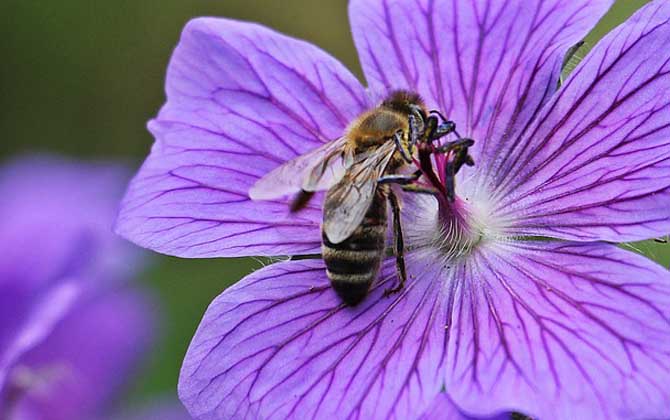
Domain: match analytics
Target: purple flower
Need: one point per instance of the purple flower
(498, 318)
(71, 329)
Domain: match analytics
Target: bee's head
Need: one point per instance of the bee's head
(404, 101)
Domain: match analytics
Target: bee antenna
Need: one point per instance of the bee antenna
(439, 114)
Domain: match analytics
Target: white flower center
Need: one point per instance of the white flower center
(455, 228)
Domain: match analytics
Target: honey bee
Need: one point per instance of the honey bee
(357, 171)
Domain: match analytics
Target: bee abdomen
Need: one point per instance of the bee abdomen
(352, 265)
(348, 262)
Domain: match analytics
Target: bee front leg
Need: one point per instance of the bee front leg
(430, 125)
(460, 144)
(399, 246)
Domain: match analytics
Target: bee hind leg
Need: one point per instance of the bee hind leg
(406, 182)
(418, 189)
(400, 179)
(399, 246)
(300, 201)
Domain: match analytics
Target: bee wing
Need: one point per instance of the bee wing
(316, 170)
(327, 172)
(349, 200)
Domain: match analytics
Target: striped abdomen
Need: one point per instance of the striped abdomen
(353, 264)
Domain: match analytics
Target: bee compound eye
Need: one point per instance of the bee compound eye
(418, 112)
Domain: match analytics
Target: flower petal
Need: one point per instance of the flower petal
(280, 344)
(488, 65)
(443, 408)
(81, 366)
(596, 166)
(242, 100)
(56, 219)
(55, 236)
(560, 330)
(26, 323)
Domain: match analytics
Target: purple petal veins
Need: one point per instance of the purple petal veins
(444, 408)
(553, 329)
(488, 65)
(242, 99)
(596, 164)
(560, 330)
(281, 344)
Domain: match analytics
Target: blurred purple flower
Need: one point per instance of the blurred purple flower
(71, 329)
(568, 328)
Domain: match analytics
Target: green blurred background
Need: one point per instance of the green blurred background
(81, 78)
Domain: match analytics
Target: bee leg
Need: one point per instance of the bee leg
(458, 144)
(430, 127)
(400, 179)
(397, 137)
(443, 129)
(418, 189)
(300, 200)
(399, 246)
(439, 114)
(463, 158)
(436, 130)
